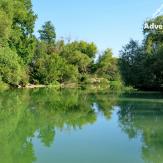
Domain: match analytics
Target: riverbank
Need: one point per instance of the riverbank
(63, 85)
(87, 82)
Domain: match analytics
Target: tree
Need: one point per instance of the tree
(88, 49)
(12, 70)
(132, 63)
(21, 37)
(79, 54)
(153, 45)
(107, 66)
(47, 33)
(141, 64)
(139, 69)
(6, 13)
(47, 69)
(153, 36)
(155, 64)
(76, 58)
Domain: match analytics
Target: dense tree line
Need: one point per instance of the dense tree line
(45, 60)
(142, 64)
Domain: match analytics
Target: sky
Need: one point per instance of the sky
(108, 23)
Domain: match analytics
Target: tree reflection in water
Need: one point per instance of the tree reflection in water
(144, 119)
(23, 113)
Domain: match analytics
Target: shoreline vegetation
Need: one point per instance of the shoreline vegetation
(27, 61)
(93, 83)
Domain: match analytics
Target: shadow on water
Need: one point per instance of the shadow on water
(25, 112)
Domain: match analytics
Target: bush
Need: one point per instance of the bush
(107, 66)
(116, 85)
(85, 79)
(12, 69)
(70, 73)
(50, 68)
(3, 86)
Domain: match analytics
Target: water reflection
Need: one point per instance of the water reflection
(145, 120)
(23, 113)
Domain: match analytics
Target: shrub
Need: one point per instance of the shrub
(12, 69)
(116, 85)
(50, 68)
(3, 86)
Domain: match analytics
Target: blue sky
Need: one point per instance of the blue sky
(108, 23)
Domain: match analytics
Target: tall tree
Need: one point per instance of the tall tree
(12, 70)
(21, 37)
(132, 63)
(107, 66)
(6, 15)
(86, 48)
(153, 34)
(47, 33)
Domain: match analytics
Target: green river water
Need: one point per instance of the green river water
(77, 126)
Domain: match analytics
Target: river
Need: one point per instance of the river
(79, 126)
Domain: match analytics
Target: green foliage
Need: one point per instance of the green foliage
(70, 73)
(6, 12)
(88, 49)
(12, 70)
(46, 60)
(131, 63)
(41, 49)
(78, 59)
(5, 24)
(47, 33)
(153, 37)
(80, 54)
(3, 86)
(136, 66)
(45, 69)
(116, 85)
(141, 66)
(107, 66)
(21, 35)
(50, 68)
